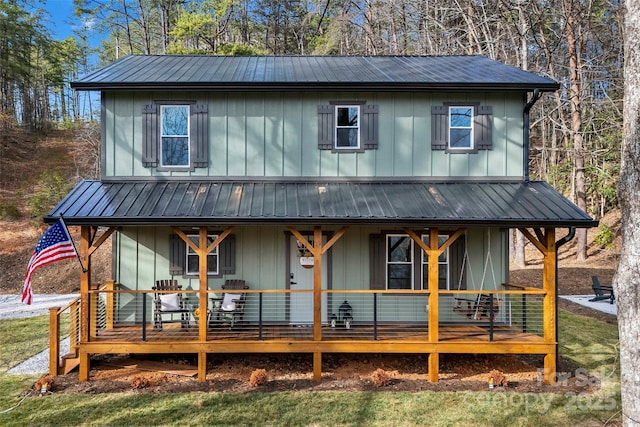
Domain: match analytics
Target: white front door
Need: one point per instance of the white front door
(301, 278)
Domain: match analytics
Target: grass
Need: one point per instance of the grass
(585, 341)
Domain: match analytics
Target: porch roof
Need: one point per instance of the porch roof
(317, 201)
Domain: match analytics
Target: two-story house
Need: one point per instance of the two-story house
(362, 203)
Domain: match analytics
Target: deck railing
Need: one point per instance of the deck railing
(272, 314)
(64, 335)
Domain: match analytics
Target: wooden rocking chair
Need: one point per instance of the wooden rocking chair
(230, 307)
(169, 303)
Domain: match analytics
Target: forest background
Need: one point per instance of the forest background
(576, 132)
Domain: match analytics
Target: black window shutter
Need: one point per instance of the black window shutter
(150, 136)
(177, 255)
(200, 135)
(456, 261)
(227, 255)
(482, 128)
(369, 127)
(377, 262)
(439, 127)
(325, 127)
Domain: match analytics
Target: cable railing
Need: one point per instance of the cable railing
(279, 314)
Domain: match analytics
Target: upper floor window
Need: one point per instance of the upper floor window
(347, 127)
(461, 128)
(174, 135)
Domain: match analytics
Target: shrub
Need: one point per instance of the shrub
(258, 377)
(605, 236)
(380, 378)
(9, 212)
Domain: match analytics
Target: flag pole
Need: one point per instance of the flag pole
(84, 270)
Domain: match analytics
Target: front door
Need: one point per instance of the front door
(301, 279)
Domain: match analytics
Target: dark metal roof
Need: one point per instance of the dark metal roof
(191, 203)
(305, 72)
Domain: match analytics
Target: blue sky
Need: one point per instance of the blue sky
(61, 19)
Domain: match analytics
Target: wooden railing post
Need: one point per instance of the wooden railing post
(110, 286)
(54, 340)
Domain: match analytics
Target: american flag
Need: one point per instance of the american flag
(54, 245)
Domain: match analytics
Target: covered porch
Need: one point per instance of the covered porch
(501, 320)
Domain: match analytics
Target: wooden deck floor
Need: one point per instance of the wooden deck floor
(447, 333)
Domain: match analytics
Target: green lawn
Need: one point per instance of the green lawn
(587, 342)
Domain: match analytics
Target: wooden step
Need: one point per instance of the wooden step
(68, 363)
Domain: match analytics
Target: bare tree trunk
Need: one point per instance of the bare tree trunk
(627, 279)
(575, 99)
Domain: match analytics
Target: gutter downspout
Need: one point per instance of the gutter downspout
(525, 132)
(566, 239)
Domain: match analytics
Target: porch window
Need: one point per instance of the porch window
(443, 264)
(399, 261)
(175, 136)
(183, 261)
(193, 259)
(348, 127)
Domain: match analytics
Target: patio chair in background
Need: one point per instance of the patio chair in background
(602, 292)
(169, 303)
(230, 307)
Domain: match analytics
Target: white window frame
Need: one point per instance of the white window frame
(470, 128)
(410, 263)
(210, 262)
(425, 261)
(163, 136)
(357, 127)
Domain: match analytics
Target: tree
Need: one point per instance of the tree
(627, 279)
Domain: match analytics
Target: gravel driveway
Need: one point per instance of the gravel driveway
(12, 308)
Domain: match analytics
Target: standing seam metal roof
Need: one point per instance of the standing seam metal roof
(318, 202)
(304, 72)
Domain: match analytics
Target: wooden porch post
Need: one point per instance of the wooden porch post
(546, 244)
(317, 250)
(202, 300)
(433, 253)
(85, 276)
(203, 249)
(549, 304)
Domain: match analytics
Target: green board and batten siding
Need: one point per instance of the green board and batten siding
(275, 135)
(260, 260)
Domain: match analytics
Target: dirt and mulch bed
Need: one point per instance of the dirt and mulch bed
(341, 372)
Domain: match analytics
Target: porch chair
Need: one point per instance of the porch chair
(229, 308)
(602, 292)
(169, 303)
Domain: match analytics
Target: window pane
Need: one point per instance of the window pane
(175, 120)
(460, 138)
(399, 276)
(347, 116)
(460, 116)
(399, 249)
(347, 138)
(442, 276)
(175, 151)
